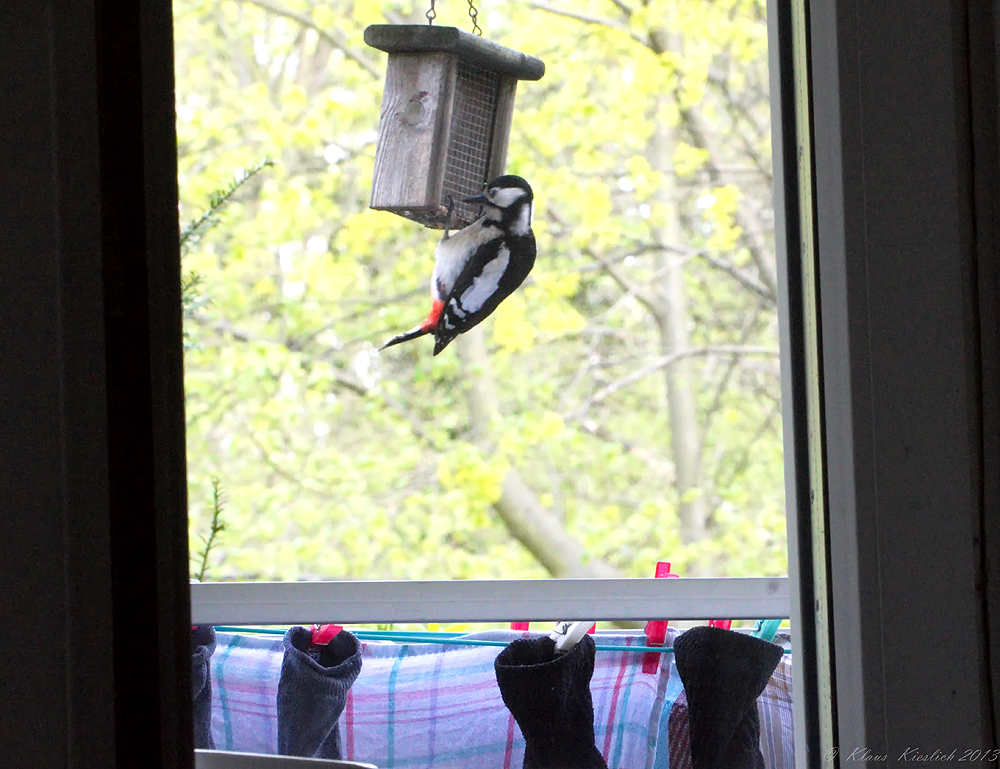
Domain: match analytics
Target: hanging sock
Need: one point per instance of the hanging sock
(202, 649)
(724, 673)
(549, 696)
(312, 692)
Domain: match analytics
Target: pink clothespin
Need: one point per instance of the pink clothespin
(656, 630)
(524, 626)
(725, 624)
(323, 634)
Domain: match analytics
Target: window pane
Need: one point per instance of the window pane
(621, 408)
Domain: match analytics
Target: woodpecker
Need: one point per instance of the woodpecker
(481, 265)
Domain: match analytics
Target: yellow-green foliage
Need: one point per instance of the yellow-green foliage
(339, 462)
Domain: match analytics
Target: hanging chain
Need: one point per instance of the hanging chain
(474, 14)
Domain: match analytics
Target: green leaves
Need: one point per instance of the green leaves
(342, 462)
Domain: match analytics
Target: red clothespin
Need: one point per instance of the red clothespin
(725, 624)
(593, 629)
(656, 630)
(323, 634)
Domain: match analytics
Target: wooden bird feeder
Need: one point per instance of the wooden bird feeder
(445, 122)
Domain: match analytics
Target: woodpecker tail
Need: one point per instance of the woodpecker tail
(441, 341)
(411, 334)
(424, 328)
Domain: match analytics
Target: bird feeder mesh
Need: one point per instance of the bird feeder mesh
(468, 159)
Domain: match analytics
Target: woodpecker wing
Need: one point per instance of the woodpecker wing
(490, 276)
(453, 255)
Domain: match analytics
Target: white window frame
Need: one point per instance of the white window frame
(858, 459)
(556, 599)
(365, 602)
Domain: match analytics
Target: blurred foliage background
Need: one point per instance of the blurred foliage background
(621, 408)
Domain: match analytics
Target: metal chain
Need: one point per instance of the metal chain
(473, 14)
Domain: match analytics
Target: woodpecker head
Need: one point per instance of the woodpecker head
(509, 202)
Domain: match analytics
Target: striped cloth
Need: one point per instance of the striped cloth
(438, 706)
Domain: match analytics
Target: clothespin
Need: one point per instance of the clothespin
(524, 626)
(725, 624)
(568, 634)
(656, 630)
(766, 629)
(323, 634)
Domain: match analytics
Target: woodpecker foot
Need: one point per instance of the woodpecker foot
(447, 217)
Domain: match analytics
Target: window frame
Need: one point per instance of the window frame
(588, 599)
(905, 554)
(376, 601)
(608, 599)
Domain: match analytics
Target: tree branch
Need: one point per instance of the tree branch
(744, 278)
(585, 19)
(522, 513)
(650, 458)
(709, 415)
(660, 363)
(741, 464)
(623, 7)
(336, 39)
(738, 109)
(225, 328)
(216, 527)
(627, 285)
(749, 236)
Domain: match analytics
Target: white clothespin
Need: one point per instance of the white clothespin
(567, 634)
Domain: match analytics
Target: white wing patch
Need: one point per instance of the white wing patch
(452, 254)
(485, 284)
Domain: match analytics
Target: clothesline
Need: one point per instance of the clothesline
(440, 637)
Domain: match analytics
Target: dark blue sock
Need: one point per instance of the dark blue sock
(549, 696)
(202, 649)
(724, 673)
(312, 692)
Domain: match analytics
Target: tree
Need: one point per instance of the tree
(622, 407)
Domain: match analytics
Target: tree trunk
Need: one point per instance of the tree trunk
(672, 325)
(522, 513)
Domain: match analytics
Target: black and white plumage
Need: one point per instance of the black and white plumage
(481, 265)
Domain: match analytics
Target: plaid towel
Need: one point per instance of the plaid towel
(438, 706)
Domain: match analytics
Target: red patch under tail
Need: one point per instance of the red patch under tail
(432, 317)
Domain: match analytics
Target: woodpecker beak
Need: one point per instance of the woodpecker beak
(482, 199)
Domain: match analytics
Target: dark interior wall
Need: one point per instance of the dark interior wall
(56, 674)
(984, 68)
(94, 664)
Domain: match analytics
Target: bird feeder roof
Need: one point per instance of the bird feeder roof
(425, 38)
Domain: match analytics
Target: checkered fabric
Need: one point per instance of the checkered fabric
(438, 706)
